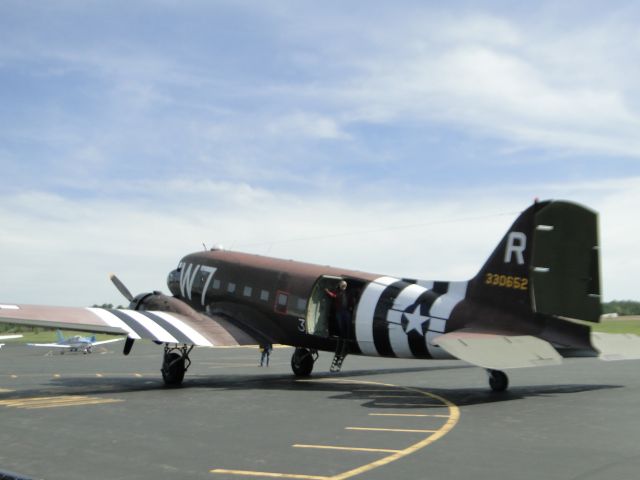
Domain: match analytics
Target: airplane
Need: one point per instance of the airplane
(531, 304)
(75, 343)
(8, 337)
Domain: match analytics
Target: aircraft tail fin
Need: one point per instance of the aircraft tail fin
(548, 263)
(60, 336)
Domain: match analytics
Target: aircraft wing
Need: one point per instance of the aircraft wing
(102, 342)
(498, 351)
(200, 330)
(9, 337)
(49, 345)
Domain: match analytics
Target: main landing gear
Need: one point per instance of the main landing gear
(175, 363)
(302, 361)
(498, 380)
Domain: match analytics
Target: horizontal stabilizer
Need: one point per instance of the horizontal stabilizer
(614, 346)
(497, 351)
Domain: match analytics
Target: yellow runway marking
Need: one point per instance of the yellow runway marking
(269, 474)
(53, 402)
(5, 390)
(137, 375)
(408, 415)
(14, 376)
(374, 429)
(56, 375)
(351, 449)
(400, 395)
(433, 435)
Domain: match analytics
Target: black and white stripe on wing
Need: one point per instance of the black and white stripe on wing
(144, 326)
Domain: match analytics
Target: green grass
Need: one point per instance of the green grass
(629, 324)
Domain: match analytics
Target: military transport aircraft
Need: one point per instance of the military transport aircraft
(531, 304)
(76, 343)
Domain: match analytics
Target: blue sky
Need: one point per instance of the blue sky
(131, 132)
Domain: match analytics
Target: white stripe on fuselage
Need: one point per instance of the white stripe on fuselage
(440, 312)
(398, 337)
(366, 309)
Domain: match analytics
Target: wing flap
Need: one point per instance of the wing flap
(614, 346)
(498, 351)
(165, 327)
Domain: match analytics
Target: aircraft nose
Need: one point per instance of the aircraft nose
(173, 282)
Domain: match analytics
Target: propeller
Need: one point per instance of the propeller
(121, 287)
(128, 343)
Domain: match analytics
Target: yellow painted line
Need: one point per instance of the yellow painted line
(434, 435)
(56, 375)
(374, 429)
(251, 473)
(414, 404)
(50, 402)
(5, 390)
(408, 415)
(79, 404)
(99, 375)
(402, 396)
(351, 449)
(14, 376)
(137, 375)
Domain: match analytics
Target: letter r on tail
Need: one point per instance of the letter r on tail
(516, 245)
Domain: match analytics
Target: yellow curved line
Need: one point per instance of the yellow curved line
(452, 420)
(454, 416)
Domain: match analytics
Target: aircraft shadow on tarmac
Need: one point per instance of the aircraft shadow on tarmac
(344, 385)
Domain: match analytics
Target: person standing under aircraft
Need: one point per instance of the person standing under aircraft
(265, 348)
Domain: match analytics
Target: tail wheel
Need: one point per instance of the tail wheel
(498, 380)
(302, 362)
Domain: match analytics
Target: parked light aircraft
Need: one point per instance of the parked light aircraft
(531, 304)
(75, 343)
(8, 337)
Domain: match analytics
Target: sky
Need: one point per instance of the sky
(400, 138)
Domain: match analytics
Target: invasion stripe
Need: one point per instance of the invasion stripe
(380, 326)
(108, 317)
(417, 342)
(366, 308)
(138, 327)
(159, 333)
(441, 310)
(195, 336)
(177, 334)
(398, 337)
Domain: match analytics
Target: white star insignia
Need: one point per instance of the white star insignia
(415, 321)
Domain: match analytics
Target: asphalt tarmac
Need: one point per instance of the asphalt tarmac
(106, 416)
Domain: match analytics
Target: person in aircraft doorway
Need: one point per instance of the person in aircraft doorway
(343, 308)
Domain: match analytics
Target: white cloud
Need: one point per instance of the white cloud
(59, 251)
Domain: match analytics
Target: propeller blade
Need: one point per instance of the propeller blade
(128, 343)
(121, 288)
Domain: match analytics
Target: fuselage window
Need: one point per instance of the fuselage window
(231, 287)
(281, 302)
(247, 291)
(264, 295)
(216, 284)
(302, 304)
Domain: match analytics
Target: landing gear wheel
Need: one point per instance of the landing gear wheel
(175, 364)
(302, 361)
(498, 380)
